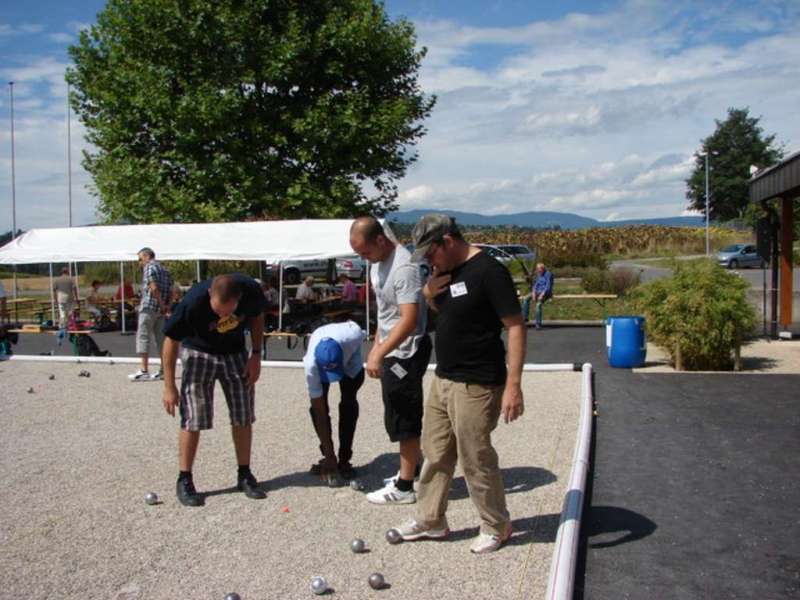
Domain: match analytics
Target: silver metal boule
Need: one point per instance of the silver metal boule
(318, 585)
(151, 498)
(393, 536)
(233, 596)
(376, 581)
(358, 546)
(356, 485)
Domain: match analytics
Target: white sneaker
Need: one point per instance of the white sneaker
(391, 495)
(396, 476)
(412, 530)
(486, 543)
(140, 376)
(159, 376)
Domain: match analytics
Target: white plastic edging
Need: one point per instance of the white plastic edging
(562, 570)
(288, 364)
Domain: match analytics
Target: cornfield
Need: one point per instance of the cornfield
(634, 240)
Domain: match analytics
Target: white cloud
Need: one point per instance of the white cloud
(61, 38)
(598, 114)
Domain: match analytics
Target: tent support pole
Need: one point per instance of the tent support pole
(122, 295)
(280, 298)
(52, 297)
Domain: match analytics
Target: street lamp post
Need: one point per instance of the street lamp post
(708, 235)
(13, 181)
(708, 238)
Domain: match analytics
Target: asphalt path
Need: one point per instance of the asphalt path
(650, 272)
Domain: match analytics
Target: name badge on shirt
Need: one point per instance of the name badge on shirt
(398, 370)
(458, 289)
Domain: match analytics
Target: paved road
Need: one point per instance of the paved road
(650, 272)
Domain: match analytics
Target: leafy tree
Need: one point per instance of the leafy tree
(222, 110)
(737, 143)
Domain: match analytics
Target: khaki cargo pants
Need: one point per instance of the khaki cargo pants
(457, 425)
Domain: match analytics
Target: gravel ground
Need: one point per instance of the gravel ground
(79, 454)
(758, 357)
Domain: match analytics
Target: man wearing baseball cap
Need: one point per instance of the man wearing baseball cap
(475, 299)
(334, 355)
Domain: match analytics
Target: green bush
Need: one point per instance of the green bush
(700, 315)
(616, 281)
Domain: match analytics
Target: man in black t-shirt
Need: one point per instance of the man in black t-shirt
(474, 298)
(207, 327)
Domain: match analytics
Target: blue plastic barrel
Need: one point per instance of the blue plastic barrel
(626, 343)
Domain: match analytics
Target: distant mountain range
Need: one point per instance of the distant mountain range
(541, 220)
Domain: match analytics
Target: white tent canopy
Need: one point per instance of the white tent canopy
(263, 240)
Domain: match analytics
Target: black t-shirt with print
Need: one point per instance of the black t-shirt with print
(197, 326)
(469, 348)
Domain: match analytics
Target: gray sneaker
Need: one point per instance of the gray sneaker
(412, 531)
(486, 543)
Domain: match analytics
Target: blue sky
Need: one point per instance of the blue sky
(586, 107)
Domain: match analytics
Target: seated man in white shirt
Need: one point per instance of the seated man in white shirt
(334, 354)
(305, 291)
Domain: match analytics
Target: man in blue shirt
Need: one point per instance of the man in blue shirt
(334, 355)
(542, 292)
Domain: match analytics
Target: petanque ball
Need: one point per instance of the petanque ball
(393, 536)
(51, 377)
(358, 546)
(233, 596)
(376, 581)
(319, 586)
(357, 485)
(151, 498)
(30, 390)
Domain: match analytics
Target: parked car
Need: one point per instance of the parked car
(740, 255)
(295, 270)
(502, 253)
(519, 251)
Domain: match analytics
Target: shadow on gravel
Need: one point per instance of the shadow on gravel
(516, 480)
(540, 529)
(604, 520)
(372, 474)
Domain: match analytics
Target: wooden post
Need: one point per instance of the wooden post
(787, 228)
(678, 357)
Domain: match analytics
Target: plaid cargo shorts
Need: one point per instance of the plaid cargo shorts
(200, 372)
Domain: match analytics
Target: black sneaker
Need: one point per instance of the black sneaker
(249, 485)
(346, 470)
(187, 494)
(316, 468)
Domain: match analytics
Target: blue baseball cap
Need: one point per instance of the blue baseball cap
(330, 360)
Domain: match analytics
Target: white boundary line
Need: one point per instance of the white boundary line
(288, 364)
(561, 582)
